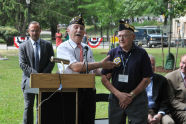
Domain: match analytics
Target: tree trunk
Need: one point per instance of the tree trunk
(53, 27)
(20, 21)
(165, 21)
(101, 31)
(107, 34)
(94, 23)
(53, 32)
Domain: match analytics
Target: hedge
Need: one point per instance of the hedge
(7, 34)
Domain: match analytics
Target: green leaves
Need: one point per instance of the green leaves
(97, 12)
(7, 33)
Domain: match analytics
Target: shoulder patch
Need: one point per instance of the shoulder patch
(117, 60)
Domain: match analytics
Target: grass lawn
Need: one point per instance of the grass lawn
(11, 98)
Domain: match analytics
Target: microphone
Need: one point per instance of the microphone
(86, 48)
(85, 52)
(59, 60)
(86, 61)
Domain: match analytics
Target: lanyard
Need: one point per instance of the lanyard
(124, 63)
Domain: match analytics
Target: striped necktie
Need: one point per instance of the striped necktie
(81, 52)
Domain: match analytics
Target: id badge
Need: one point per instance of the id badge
(123, 78)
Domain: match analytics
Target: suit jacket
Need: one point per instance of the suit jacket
(159, 93)
(26, 60)
(177, 90)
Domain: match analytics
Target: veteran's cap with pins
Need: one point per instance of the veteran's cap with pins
(125, 26)
(77, 20)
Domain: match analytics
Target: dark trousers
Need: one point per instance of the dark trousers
(87, 106)
(137, 110)
(28, 108)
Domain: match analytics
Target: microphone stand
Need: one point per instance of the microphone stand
(86, 62)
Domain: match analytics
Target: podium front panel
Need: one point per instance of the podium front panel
(59, 109)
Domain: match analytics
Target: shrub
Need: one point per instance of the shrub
(2, 40)
(7, 34)
(147, 23)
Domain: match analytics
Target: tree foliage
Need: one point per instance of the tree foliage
(179, 7)
(174, 8)
(100, 13)
(13, 12)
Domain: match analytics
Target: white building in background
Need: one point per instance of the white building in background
(179, 28)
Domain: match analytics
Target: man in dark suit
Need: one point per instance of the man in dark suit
(177, 92)
(157, 98)
(34, 57)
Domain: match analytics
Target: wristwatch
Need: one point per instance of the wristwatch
(132, 94)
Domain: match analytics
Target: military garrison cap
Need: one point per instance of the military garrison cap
(77, 20)
(125, 26)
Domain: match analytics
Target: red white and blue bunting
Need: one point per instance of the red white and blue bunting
(94, 42)
(18, 40)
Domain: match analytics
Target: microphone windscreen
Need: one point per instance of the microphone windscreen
(86, 48)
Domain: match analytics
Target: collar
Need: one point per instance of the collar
(132, 49)
(151, 77)
(74, 44)
(182, 74)
(32, 41)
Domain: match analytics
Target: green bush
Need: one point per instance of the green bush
(7, 34)
(147, 23)
(2, 40)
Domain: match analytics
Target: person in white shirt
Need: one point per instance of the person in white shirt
(75, 51)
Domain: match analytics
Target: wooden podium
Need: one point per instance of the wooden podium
(70, 83)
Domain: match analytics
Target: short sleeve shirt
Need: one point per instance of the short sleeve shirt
(138, 66)
(69, 50)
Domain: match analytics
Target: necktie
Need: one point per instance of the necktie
(36, 56)
(81, 52)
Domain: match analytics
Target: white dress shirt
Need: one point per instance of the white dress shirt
(69, 50)
(182, 75)
(34, 46)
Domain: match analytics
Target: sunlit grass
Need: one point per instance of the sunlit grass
(11, 97)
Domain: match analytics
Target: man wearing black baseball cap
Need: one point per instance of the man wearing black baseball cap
(129, 79)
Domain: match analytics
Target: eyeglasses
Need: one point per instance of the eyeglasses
(36, 31)
(124, 36)
(183, 63)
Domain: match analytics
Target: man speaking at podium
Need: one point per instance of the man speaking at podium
(81, 61)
